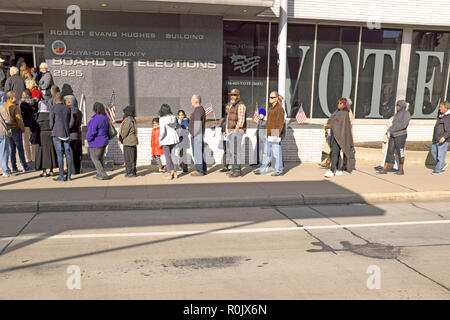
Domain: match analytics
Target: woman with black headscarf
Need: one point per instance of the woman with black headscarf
(341, 138)
(128, 137)
(45, 150)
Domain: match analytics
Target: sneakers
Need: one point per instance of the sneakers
(257, 172)
(6, 175)
(27, 170)
(338, 173)
(224, 169)
(400, 172)
(329, 174)
(382, 172)
(379, 168)
(197, 174)
(234, 175)
(276, 174)
(446, 165)
(436, 172)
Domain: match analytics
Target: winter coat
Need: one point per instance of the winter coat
(342, 131)
(400, 123)
(17, 84)
(29, 108)
(5, 121)
(127, 134)
(76, 117)
(157, 149)
(16, 115)
(442, 128)
(97, 135)
(45, 84)
(275, 120)
(60, 120)
(168, 134)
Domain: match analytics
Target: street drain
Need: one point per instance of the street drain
(372, 250)
(206, 263)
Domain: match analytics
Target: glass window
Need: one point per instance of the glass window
(427, 72)
(245, 62)
(378, 73)
(335, 74)
(300, 58)
(21, 29)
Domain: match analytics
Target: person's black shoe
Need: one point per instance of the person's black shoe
(257, 172)
(67, 179)
(400, 172)
(276, 174)
(59, 179)
(378, 168)
(224, 170)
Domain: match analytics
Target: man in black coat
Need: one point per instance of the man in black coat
(60, 125)
(15, 83)
(76, 148)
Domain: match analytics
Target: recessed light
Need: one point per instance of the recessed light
(245, 11)
(104, 5)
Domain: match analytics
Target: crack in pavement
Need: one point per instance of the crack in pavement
(18, 234)
(428, 210)
(377, 177)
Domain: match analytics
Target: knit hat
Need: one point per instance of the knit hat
(262, 111)
(129, 111)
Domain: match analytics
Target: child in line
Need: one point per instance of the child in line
(157, 150)
(182, 126)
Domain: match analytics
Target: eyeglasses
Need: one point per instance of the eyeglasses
(234, 95)
(273, 97)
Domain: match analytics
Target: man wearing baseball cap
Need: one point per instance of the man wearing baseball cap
(2, 82)
(236, 125)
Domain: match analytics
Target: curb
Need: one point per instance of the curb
(202, 203)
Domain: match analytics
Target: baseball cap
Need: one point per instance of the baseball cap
(235, 91)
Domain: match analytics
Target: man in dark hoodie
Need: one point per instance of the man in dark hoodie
(397, 139)
(441, 136)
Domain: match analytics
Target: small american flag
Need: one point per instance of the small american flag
(256, 116)
(111, 108)
(301, 116)
(209, 110)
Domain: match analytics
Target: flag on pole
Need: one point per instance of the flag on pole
(111, 108)
(256, 116)
(209, 110)
(301, 116)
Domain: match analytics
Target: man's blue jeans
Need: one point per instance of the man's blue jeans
(4, 154)
(198, 152)
(439, 152)
(16, 142)
(2, 98)
(275, 148)
(63, 147)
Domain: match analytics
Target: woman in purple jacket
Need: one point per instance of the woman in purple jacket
(97, 138)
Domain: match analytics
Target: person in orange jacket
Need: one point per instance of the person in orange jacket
(157, 150)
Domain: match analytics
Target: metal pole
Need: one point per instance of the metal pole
(268, 64)
(282, 51)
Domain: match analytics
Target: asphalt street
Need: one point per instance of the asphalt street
(357, 251)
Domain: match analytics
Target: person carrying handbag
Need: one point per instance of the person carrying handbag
(5, 133)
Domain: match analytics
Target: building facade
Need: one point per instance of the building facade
(374, 52)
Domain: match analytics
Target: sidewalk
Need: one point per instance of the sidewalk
(301, 184)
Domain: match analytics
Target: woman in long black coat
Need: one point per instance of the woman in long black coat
(45, 151)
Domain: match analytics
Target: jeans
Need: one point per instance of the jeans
(17, 143)
(235, 148)
(4, 154)
(171, 158)
(63, 148)
(439, 152)
(2, 97)
(275, 148)
(97, 155)
(198, 151)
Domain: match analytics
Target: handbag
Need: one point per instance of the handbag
(112, 132)
(8, 130)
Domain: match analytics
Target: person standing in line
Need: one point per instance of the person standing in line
(59, 123)
(398, 135)
(261, 136)
(128, 137)
(76, 145)
(17, 129)
(385, 146)
(53, 90)
(236, 125)
(182, 129)
(168, 138)
(97, 138)
(274, 131)
(341, 138)
(5, 122)
(225, 158)
(29, 108)
(197, 124)
(2, 82)
(34, 89)
(15, 83)
(46, 158)
(441, 136)
(46, 82)
(157, 149)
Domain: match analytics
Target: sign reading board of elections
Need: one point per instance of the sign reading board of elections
(147, 59)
